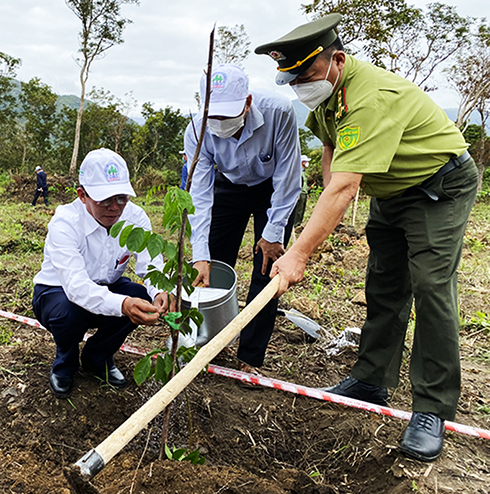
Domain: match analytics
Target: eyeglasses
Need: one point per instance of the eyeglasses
(121, 200)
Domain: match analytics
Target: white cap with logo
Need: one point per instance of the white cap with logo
(229, 90)
(103, 174)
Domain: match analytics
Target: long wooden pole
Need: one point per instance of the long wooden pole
(95, 460)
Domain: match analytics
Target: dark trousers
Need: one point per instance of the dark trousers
(68, 323)
(299, 210)
(233, 205)
(416, 245)
(38, 192)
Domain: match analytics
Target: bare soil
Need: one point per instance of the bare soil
(256, 440)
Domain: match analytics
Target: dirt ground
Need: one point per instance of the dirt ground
(256, 440)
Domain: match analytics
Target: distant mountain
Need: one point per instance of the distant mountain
(69, 100)
(301, 111)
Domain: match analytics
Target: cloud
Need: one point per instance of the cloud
(165, 47)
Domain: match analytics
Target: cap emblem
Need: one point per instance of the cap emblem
(218, 81)
(277, 55)
(111, 172)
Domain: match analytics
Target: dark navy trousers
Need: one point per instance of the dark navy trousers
(68, 323)
(233, 205)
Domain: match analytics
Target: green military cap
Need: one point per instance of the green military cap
(296, 51)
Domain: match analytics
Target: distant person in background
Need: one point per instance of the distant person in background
(184, 172)
(301, 205)
(41, 186)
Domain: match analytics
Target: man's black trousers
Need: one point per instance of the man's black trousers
(233, 205)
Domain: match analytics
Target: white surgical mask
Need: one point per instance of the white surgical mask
(227, 127)
(312, 94)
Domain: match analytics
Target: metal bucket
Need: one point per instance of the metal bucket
(218, 307)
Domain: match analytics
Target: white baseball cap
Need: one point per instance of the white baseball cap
(38, 168)
(229, 90)
(304, 157)
(103, 174)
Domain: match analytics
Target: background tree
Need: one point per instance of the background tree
(102, 27)
(114, 112)
(398, 37)
(232, 45)
(38, 112)
(305, 136)
(159, 140)
(10, 144)
(470, 77)
(105, 124)
(8, 66)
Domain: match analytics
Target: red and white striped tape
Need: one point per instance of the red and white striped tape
(289, 387)
(25, 320)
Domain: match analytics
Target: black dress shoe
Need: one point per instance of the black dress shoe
(60, 386)
(112, 376)
(423, 437)
(353, 388)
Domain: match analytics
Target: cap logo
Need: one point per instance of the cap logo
(218, 81)
(111, 172)
(277, 55)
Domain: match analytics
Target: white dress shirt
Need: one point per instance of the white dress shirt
(81, 257)
(268, 147)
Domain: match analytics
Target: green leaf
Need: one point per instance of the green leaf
(189, 289)
(124, 235)
(163, 368)
(115, 229)
(171, 251)
(162, 374)
(187, 353)
(171, 216)
(156, 351)
(142, 370)
(196, 316)
(169, 265)
(184, 200)
(144, 243)
(135, 239)
(179, 454)
(168, 452)
(159, 280)
(155, 245)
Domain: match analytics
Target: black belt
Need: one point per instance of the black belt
(452, 164)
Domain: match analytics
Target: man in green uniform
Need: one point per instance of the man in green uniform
(301, 204)
(384, 134)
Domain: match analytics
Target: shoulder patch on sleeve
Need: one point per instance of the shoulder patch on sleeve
(341, 104)
(348, 137)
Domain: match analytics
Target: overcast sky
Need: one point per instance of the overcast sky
(165, 48)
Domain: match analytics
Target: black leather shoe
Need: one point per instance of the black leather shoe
(112, 376)
(423, 437)
(352, 388)
(60, 386)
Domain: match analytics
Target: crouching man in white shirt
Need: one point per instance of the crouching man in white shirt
(81, 283)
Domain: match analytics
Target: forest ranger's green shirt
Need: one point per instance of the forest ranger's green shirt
(385, 128)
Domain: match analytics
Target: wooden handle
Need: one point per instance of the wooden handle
(134, 424)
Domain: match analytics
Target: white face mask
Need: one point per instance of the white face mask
(227, 127)
(311, 94)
